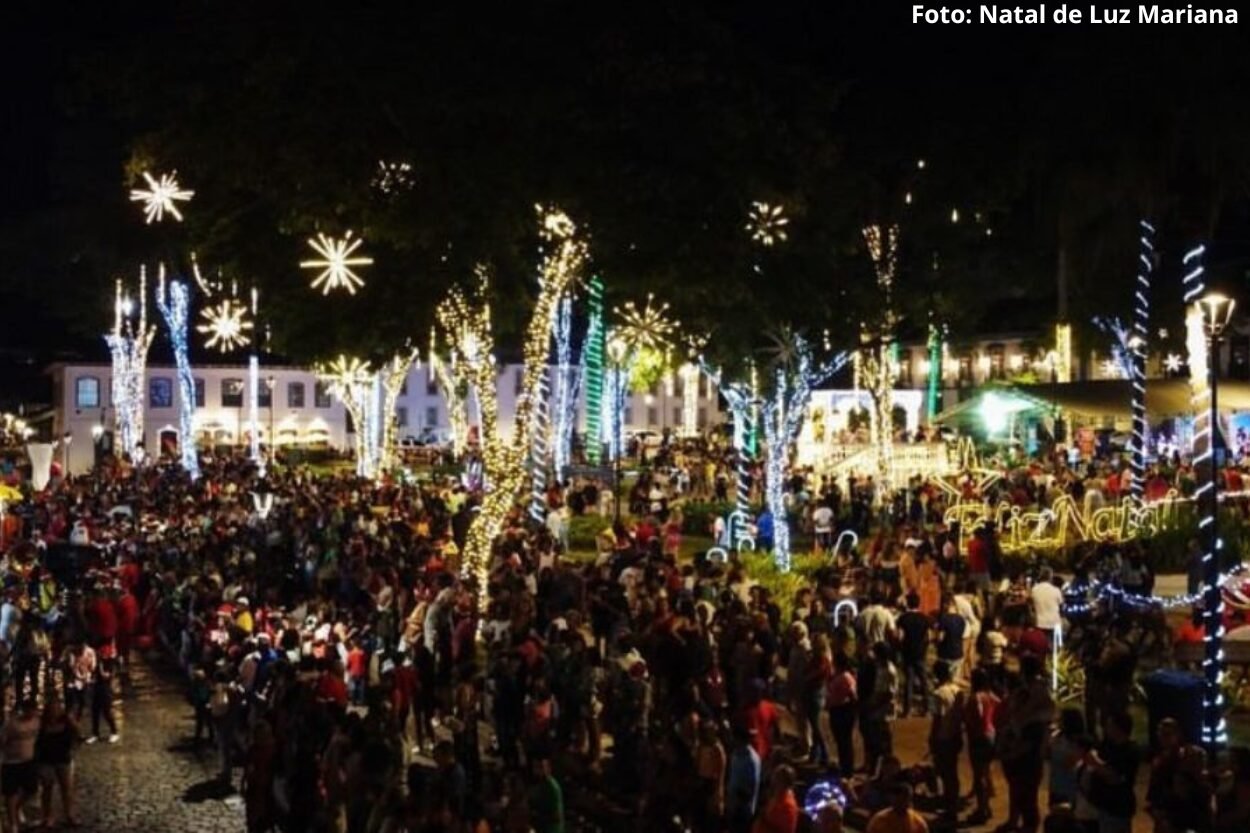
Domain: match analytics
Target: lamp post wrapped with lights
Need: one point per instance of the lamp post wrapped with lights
(1216, 311)
(618, 354)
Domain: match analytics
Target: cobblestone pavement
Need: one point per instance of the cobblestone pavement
(152, 780)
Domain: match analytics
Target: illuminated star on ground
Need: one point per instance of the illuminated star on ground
(160, 196)
(336, 262)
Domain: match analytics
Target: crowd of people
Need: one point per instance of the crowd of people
(347, 677)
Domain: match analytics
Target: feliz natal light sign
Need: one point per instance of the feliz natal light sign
(1064, 523)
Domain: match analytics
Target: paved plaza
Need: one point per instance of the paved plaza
(152, 780)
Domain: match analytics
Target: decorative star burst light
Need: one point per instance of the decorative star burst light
(767, 223)
(226, 324)
(648, 328)
(160, 197)
(392, 177)
(1172, 363)
(336, 262)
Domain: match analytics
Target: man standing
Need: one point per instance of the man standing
(744, 783)
(913, 640)
(1047, 602)
(946, 737)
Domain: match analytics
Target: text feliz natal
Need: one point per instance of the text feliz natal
(1066, 14)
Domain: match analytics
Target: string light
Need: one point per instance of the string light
(443, 371)
(335, 262)
(392, 177)
(875, 365)
(392, 377)
(1063, 353)
(1138, 345)
(648, 328)
(564, 399)
(592, 364)
(160, 197)
(226, 324)
(783, 416)
(466, 322)
(742, 403)
(128, 345)
(767, 223)
(350, 379)
(174, 301)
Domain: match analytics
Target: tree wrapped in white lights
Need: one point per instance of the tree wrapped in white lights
(466, 324)
(444, 372)
(783, 415)
(351, 382)
(874, 363)
(128, 344)
(391, 379)
(173, 299)
(565, 392)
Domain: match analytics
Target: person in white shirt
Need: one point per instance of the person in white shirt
(876, 622)
(822, 524)
(1047, 602)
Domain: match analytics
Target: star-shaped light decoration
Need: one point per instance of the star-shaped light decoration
(160, 196)
(648, 327)
(226, 325)
(392, 177)
(1111, 368)
(335, 263)
(967, 466)
(767, 223)
(1172, 363)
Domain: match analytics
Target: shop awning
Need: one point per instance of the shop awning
(1165, 398)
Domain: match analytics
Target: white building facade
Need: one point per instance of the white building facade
(295, 408)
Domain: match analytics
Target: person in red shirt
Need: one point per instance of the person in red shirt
(330, 686)
(357, 672)
(102, 625)
(404, 693)
(781, 809)
(126, 609)
(759, 718)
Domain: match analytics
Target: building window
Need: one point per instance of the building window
(997, 361)
(199, 393)
(403, 387)
(431, 385)
(401, 417)
(161, 392)
(264, 394)
(702, 418)
(677, 416)
(518, 383)
(431, 417)
(629, 416)
(653, 417)
(232, 393)
(321, 394)
(295, 394)
(87, 392)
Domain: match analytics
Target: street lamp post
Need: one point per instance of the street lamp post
(273, 443)
(1217, 311)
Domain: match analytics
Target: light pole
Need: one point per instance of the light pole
(617, 350)
(66, 439)
(1217, 311)
(273, 443)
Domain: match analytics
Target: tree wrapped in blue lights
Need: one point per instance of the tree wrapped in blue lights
(128, 343)
(564, 395)
(783, 415)
(173, 299)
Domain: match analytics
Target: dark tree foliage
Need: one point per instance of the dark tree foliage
(654, 125)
